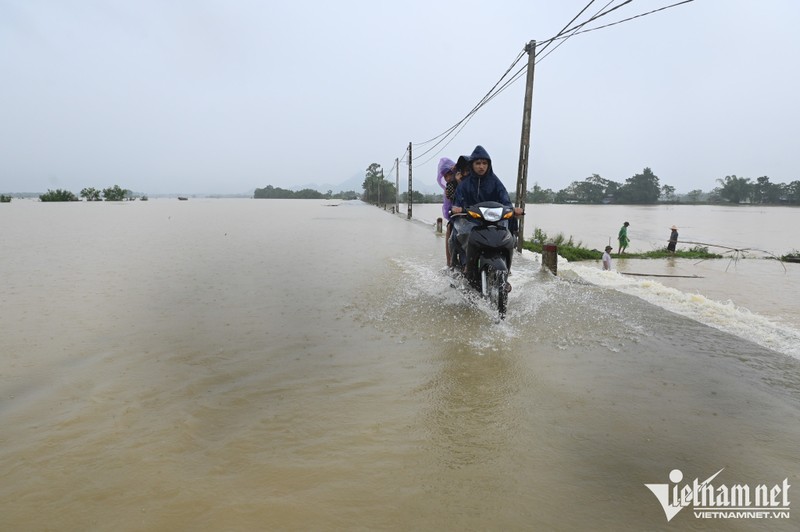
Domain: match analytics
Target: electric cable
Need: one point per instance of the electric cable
(477, 106)
(631, 18)
(567, 32)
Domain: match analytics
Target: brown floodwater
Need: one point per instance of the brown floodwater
(305, 365)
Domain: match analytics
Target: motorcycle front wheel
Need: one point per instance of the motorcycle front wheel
(494, 287)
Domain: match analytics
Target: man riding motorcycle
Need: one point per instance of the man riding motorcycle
(479, 186)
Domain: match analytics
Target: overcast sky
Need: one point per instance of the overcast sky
(202, 96)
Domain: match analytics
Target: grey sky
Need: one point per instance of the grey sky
(203, 96)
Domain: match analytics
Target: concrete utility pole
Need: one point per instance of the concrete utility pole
(410, 189)
(525, 140)
(397, 185)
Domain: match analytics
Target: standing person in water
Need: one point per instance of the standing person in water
(623, 238)
(607, 258)
(673, 240)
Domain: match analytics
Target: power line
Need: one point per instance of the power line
(568, 23)
(573, 31)
(562, 36)
(478, 105)
(490, 95)
(634, 17)
(458, 126)
(600, 13)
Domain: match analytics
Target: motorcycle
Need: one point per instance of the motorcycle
(481, 247)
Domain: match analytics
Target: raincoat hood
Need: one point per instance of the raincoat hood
(463, 164)
(480, 153)
(445, 165)
(475, 188)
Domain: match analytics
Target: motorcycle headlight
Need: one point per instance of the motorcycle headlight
(492, 214)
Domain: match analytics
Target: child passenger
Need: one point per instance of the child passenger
(445, 176)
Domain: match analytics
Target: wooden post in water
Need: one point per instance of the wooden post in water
(438, 225)
(550, 258)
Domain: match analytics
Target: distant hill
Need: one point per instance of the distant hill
(354, 183)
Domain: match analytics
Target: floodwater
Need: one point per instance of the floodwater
(747, 292)
(305, 365)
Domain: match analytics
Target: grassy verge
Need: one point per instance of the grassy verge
(575, 251)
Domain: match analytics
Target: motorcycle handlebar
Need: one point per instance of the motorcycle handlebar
(464, 214)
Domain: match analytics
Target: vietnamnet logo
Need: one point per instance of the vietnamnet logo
(722, 502)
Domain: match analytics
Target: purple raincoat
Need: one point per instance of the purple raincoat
(445, 165)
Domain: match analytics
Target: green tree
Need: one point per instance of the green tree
(565, 195)
(90, 194)
(594, 190)
(588, 191)
(693, 196)
(668, 193)
(115, 193)
(346, 195)
(641, 188)
(540, 195)
(418, 197)
(376, 189)
(715, 196)
(792, 192)
(308, 193)
(766, 192)
(736, 189)
(602, 188)
(270, 192)
(58, 195)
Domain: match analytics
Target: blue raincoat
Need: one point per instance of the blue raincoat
(475, 189)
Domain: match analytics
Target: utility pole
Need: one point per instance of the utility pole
(525, 140)
(410, 189)
(397, 185)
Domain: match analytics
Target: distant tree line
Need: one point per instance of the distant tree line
(640, 188)
(644, 188)
(742, 190)
(270, 192)
(115, 193)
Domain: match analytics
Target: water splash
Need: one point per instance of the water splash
(425, 301)
(725, 316)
